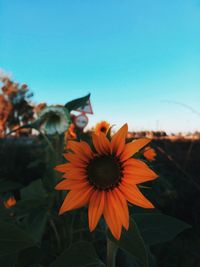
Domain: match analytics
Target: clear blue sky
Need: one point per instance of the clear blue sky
(132, 55)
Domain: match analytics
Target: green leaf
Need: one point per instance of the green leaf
(31, 215)
(36, 265)
(50, 178)
(35, 163)
(8, 260)
(126, 259)
(80, 254)
(77, 103)
(13, 239)
(33, 190)
(132, 242)
(157, 228)
(30, 256)
(36, 223)
(23, 207)
(7, 185)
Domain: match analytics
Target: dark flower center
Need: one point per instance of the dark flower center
(54, 118)
(104, 172)
(103, 129)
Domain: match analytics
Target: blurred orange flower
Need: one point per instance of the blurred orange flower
(15, 109)
(106, 179)
(9, 88)
(5, 109)
(102, 127)
(10, 202)
(71, 134)
(149, 153)
(40, 107)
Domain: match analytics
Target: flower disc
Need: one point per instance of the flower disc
(104, 172)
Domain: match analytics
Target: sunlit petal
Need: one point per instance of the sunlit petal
(76, 199)
(134, 196)
(118, 140)
(133, 147)
(95, 210)
(111, 217)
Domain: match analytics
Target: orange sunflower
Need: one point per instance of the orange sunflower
(102, 127)
(10, 202)
(105, 179)
(149, 153)
(70, 133)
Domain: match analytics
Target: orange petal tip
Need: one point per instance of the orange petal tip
(60, 212)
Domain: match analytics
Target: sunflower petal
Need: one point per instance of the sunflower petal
(149, 153)
(136, 171)
(76, 199)
(134, 196)
(75, 174)
(75, 147)
(101, 143)
(118, 140)
(86, 148)
(97, 144)
(62, 167)
(133, 147)
(111, 217)
(95, 210)
(78, 148)
(105, 142)
(75, 159)
(67, 167)
(122, 207)
(71, 185)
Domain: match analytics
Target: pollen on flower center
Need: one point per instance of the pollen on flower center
(104, 172)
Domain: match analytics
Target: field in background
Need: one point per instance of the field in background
(177, 192)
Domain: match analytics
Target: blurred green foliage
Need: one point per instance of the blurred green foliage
(32, 234)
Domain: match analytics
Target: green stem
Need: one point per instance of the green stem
(48, 142)
(111, 253)
(57, 237)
